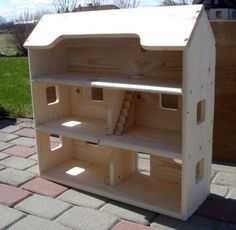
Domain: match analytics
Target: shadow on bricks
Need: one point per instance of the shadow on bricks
(218, 209)
(5, 122)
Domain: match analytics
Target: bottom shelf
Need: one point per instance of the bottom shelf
(138, 190)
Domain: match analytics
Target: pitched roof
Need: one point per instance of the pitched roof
(168, 27)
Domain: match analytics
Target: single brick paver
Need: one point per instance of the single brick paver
(224, 168)
(128, 212)
(24, 141)
(20, 151)
(26, 132)
(218, 191)
(4, 145)
(15, 177)
(17, 162)
(36, 223)
(34, 169)
(222, 210)
(43, 206)
(26, 124)
(225, 178)
(87, 219)
(9, 216)
(82, 199)
(194, 222)
(5, 137)
(127, 225)
(44, 187)
(9, 129)
(10, 195)
(232, 194)
(3, 155)
(34, 156)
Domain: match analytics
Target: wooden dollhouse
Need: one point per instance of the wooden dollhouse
(114, 84)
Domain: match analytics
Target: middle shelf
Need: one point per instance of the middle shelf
(138, 138)
(123, 82)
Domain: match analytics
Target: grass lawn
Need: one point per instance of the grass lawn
(15, 97)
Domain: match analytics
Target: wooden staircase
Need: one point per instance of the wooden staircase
(125, 118)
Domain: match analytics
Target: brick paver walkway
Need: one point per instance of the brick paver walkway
(30, 202)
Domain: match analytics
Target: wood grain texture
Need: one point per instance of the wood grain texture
(175, 35)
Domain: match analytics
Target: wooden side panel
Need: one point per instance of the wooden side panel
(165, 169)
(92, 152)
(46, 62)
(122, 165)
(148, 112)
(198, 85)
(82, 104)
(105, 56)
(49, 159)
(44, 112)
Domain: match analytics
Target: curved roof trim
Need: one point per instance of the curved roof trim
(159, 28)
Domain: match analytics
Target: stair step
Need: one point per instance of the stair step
(120, 126)
(124, 112)
(126, 104)
(118, 133)
(129, 96)
(122, 119)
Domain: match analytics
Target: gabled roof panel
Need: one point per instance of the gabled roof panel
(168, 27)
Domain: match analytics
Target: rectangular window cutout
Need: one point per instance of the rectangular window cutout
(52, 95)
(93, 144)
(55, 142)
(97, 94)
(143, 163)
(201, 111)
(169, 102)
(199, 171)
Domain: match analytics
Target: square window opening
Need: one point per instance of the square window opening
(143, 163)
(201, 111)
(169, 102)
(199, 171)
(55, 142)
(97, 94)
(52, 95)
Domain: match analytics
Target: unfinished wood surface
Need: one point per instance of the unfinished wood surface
(162, 76)
(198, 86)
(92, 152)
(137, 138)
(224, 145)
(122, 166)
(125, 59)
(113, 110)
(142, 191)
(150, 113)
(122, 82)
(83, 128)
(166, 169)
(178, 29)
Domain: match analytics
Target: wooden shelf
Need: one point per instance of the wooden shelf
(137, 138)
(154, 194)
(122, 82)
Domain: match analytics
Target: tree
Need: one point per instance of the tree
(2, 20)
(22, 27)
(127, 3)
(174, 2)
(64, 6)
(96, 2)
